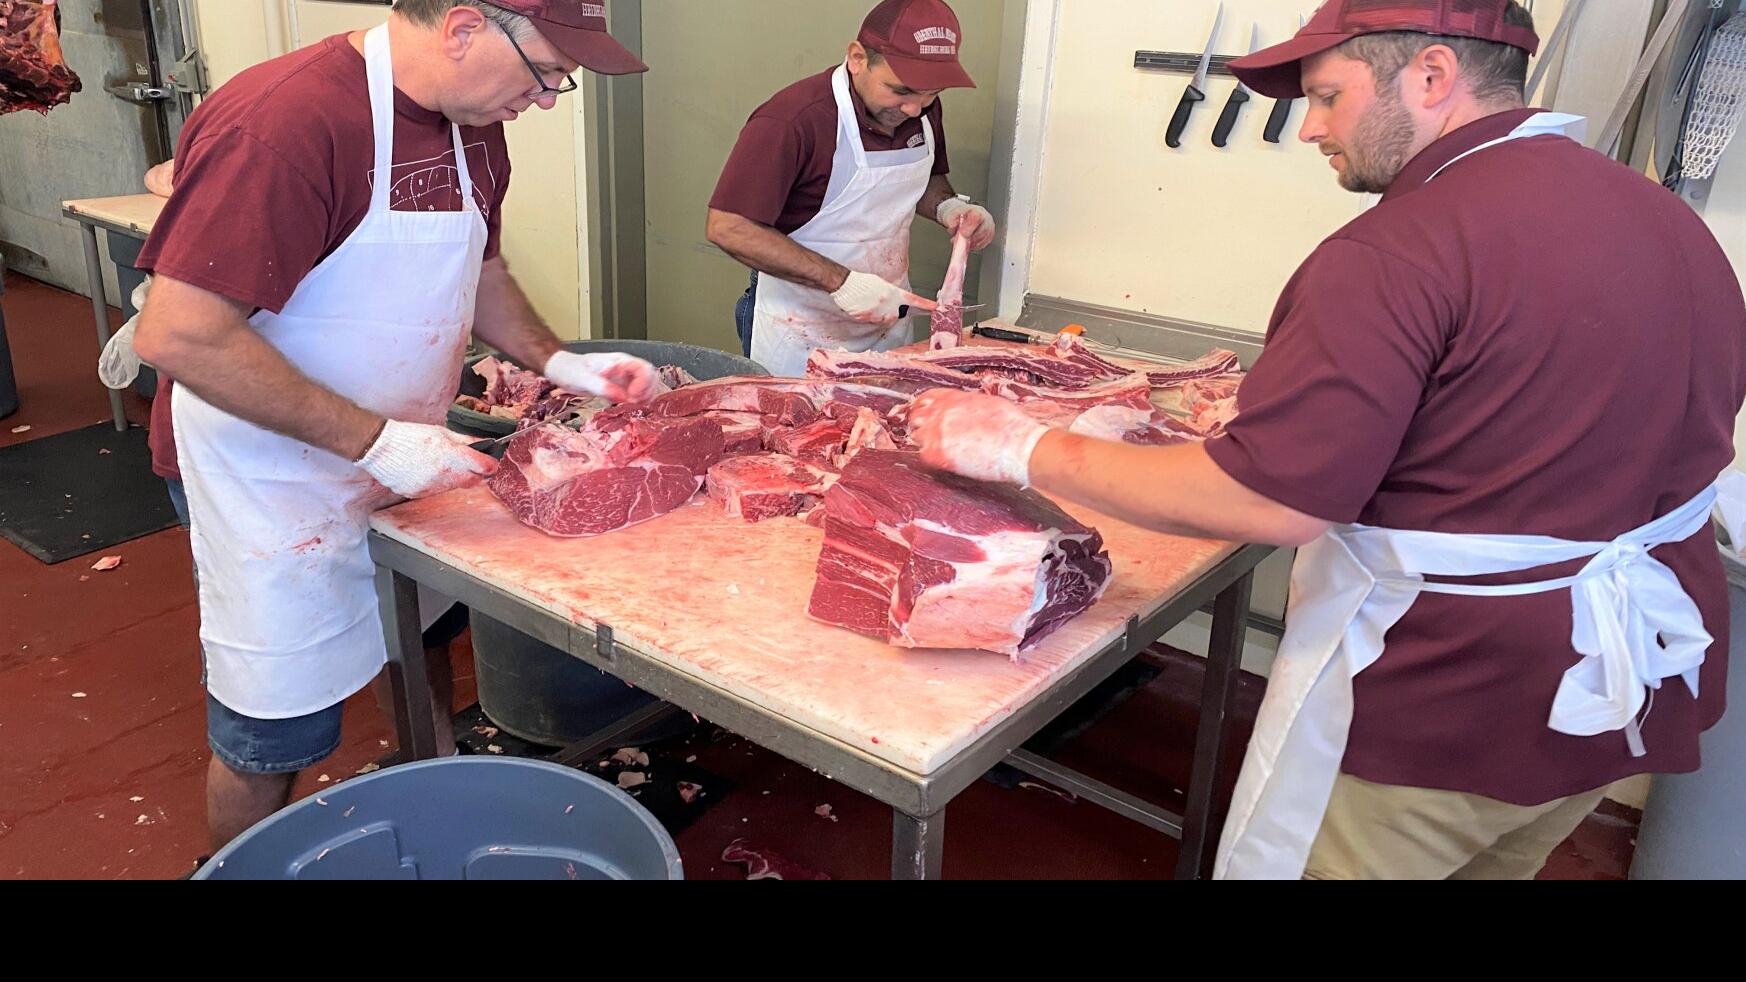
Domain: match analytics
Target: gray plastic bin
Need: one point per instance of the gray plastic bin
(464, 818)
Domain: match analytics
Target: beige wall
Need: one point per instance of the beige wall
(542, 220)
(699, 96)
(1198, 234)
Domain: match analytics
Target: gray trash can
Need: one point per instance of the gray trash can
(1694, 825)
(464, 818)
(531, 689)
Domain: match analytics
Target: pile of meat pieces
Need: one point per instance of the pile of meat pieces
(528, 398)
(765, 447)
(33, 71)
(911, 556)
(1064, 385)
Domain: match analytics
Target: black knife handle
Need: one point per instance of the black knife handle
(1228, 118)
(996, 334)
(1179, 122)
(1276, 122)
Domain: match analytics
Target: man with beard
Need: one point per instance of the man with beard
(1491, 411)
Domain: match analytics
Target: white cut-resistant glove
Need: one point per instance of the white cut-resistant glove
(979, 436)
(973, 220)
(417, 460)
(870, 300)
(610, 375)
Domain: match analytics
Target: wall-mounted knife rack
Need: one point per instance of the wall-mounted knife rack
(1182, 62)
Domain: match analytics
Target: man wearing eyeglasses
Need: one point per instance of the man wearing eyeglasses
(331, 244)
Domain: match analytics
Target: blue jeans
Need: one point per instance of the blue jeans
(743, 314)
(178, 500)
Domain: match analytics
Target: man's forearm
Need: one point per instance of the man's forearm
(1178, 490)
(206, 344)
(774, 254)
(504, 319)
(939, 190)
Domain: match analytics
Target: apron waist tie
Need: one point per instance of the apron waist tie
(1632, 621)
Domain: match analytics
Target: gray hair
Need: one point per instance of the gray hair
(430, 13)
(1495, 72)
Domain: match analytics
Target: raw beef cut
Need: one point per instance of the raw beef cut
(1211, 365)
(1126, 424)
(1212, 403)
(766, 864)
(794, 402)
(870, 432)
(1060, 407)
(914, 369)
(915, 386)
(948, 320)
(743, 433)
(619, 470)
(929, 560)
(33, 71)
(674, 377)
(959, 368)
(1066, 364)
(765, 486)
(1073, 348)
(514, 393)
(820, 440)
(511, 388)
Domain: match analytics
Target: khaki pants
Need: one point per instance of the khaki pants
(1382, 832)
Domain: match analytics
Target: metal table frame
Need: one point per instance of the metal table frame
(918, 801)
(88, 226)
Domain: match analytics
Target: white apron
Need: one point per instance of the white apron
(1355, 583)
(288, 612)
(863, 224)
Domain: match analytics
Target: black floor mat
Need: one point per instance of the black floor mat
(76, 493)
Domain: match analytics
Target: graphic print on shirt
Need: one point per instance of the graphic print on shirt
(433, 184)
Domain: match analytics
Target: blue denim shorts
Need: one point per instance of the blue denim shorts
(271, 746)
(286, 746)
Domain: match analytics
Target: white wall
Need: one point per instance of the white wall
(1726, 214)
(1197, 234)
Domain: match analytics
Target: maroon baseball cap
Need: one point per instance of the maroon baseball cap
(1276, 72)
(921, 40)
(578, 29)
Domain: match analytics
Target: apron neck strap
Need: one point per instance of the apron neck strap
(848, 117)
(379, 70)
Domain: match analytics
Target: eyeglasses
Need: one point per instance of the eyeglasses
(566, 86)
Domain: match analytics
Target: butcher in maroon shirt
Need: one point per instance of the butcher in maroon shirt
(331, 244)
(1523, 364)
(825, 180)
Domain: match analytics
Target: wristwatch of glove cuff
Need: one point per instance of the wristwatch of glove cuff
(966, 199)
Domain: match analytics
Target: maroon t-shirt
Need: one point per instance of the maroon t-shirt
(1539, 341)
(274, 172)
(780, 169)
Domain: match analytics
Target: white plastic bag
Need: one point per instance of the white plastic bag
(118, 366)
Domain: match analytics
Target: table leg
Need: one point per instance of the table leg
(100, 310)
(918, 846)
(1200, 826)
(408, 675)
